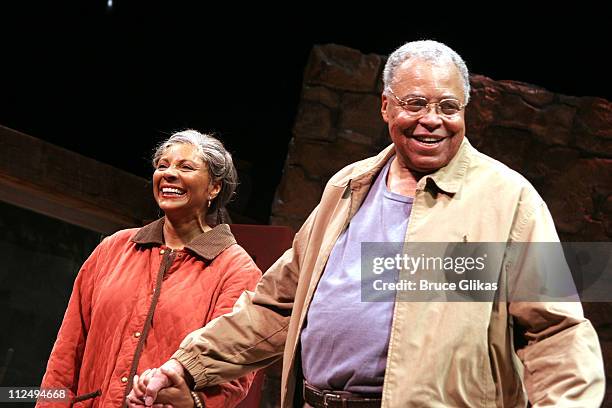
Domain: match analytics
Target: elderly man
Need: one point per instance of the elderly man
(430, 185)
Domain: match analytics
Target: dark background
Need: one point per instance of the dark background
(110, 83)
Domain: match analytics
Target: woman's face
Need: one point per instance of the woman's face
(181, 184)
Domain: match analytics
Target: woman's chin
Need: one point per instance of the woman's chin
(173, 211)
(172, 204)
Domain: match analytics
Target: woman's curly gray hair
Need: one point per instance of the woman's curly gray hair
(212, 152)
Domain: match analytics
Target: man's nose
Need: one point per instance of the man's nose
(431, 118)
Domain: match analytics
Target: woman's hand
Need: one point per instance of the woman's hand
(176, 396)
(135, 398)
(166, 388)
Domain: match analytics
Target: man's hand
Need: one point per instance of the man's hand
(151, 382)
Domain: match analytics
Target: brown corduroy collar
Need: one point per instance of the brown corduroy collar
(207, 245)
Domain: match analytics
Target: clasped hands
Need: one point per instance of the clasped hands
(162, 387)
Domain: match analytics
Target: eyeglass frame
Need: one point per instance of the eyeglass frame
(403, 102)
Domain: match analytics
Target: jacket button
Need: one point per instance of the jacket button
(124, 379)
(137, 334)
(163, 251)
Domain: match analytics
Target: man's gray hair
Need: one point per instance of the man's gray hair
(428, 50)
(213, 153)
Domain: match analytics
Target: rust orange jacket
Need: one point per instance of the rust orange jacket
(132, 303)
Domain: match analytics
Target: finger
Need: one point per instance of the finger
(172, 375)
(158, 381)
(146, 376)
(137, 389)
(143, 378)
(131, 397)
(134, 402)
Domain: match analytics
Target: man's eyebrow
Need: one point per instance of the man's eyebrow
(450, 96)
(413, 95)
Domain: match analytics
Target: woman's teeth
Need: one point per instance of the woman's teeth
(176, 191)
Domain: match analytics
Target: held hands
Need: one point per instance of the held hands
(162, 387)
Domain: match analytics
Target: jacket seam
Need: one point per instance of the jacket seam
(233, 356)
(524, 221)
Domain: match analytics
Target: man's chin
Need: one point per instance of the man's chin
(427, 165)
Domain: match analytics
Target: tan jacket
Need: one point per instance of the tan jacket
(440, 354)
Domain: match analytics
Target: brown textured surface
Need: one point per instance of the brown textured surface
(562, 144)
(57, 182)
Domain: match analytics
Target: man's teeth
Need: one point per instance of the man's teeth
(167, 190)
(427, 139)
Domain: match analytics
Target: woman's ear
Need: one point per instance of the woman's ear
(214, 191)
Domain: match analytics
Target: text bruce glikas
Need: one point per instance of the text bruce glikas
(458, 265)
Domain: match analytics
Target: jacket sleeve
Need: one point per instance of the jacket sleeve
(65, 360)
(253, 335)
(242, 274)
(562, 358)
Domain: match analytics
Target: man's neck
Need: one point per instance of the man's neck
(401, 180)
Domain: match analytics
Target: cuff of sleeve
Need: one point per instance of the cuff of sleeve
(194, 366)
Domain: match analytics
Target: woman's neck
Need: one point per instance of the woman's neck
(178, 233)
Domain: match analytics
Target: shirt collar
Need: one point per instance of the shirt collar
(208, 245)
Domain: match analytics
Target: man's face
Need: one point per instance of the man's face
(426, 141)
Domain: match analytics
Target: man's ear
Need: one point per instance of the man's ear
(383, 107)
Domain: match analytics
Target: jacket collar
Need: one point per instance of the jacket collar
(364, 170)
(450, 177)
(447, 179)
(207, 245)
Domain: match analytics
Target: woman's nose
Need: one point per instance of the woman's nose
(170, 173)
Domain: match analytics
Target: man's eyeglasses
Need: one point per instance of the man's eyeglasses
(418, 106)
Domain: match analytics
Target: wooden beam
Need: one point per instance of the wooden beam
(62, 184)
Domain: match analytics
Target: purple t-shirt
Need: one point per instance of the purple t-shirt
(345, 341)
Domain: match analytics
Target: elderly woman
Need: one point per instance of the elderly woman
(143, 290)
